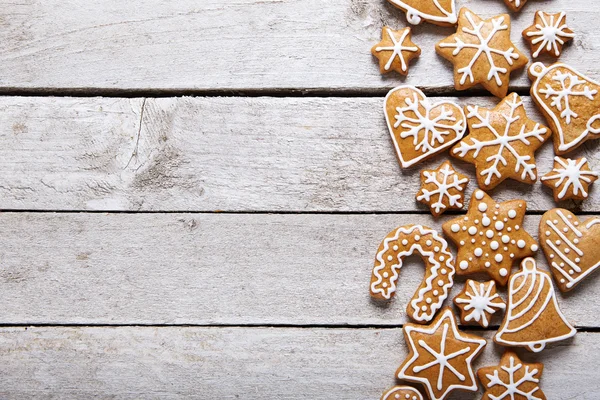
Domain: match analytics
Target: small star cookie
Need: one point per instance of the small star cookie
(478, 301)
(440, 356)
(512, 379)
(482, 52)
(548, 34)
(402, 393)
(442, 189)
(501, 143)
(490, 237)
(395, 50)
(570, 179)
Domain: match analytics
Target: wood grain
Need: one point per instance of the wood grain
(212, 269)
(235, 154)
(246, 44)
(245, 363)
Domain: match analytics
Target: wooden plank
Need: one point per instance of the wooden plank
(212, 269)
(246, 44)
(206, 154)
(231, 363)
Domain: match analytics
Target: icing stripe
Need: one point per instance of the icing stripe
(564, 257)
(567, 222)
(564, 238)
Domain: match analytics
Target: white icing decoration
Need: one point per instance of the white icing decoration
(397, 49)
(524, 298)
(480, 301)
(455, 228)
(393, 393)
(415, 16)
(550, 33)
(434, 127)
(571, 174)
(441, 359)
(513, 385)
(420, 314)
(479, 195)
(450, 180)
(503, 140)
(482, 47)
(560, 98)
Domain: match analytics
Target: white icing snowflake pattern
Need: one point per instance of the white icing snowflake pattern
(560, 98)
(480, 301)
(449, 181)
(550, 33)
(572, 175)
(503, 141)
(513, 387)
(483, 47)
(434, 129)
(397, 48)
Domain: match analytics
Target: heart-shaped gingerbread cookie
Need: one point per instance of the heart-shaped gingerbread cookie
(418, 128)
(571, 246)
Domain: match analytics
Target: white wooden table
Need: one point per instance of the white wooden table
(193, 192)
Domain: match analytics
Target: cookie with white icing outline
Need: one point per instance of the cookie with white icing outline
(442, 189)
(419, 128)
(533, 318)
(570, 179)
(570, 246)
(501, 143)
(548, 34)
(482, 52)
(490, 237)
(569, 101)
(478, 301)
(395, 50)
(402, 393)
(438, 12)
(440, 356)
(512, 379)
(439, 269)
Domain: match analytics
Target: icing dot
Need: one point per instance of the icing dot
(517, 227)
(404, 242)
(565, 229)
(440, 283)
(499, 225)
(436, 292)
(562, 281)
(470, 258)
(466, 218)
(385, 274)
(429, 243)
(417, 238)
(489, 233)
(443, 271)
(569, 216)
(513, 241)
(512, 214)
(509, 229)
(567, 250)
(384, 284)
(483, 243)
(472, 230)
(494, 245)
(479, 195)
(551, 255)
(395, 247)
(487, 264)
(390, 258)
(547, 233)
(473, 240)
(521, 244)
(481, 233)
(576, 241)
(455, 228)
(558, 242)
(505, 239)
(464, 228)
(414, 398)
(498, 258)
(576, 260)
(562, 264)
(428, 300)
(436, 249)
(476, 221)
(486, 221)
(576, 223)
(505, 219)
(497, 206)
(534, 247)
(503, 272)
(505, 248)
(482, 207)
(463, 264)
(555, 222)
(571, 272)
(462, 242)
(424, 308)
(512, 255)
(495, 218)
(478, 252)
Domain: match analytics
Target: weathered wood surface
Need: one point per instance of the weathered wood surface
(232, 269)
(206, 154)
(246, 44)
(244, 363)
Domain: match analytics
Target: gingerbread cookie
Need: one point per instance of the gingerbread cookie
(532, 319)
(402, 393)
(569, 101)
(395, 50)
(482, 52)
(490, 237)
(418, 128)
(439, 272)
(438, 12)
(512, 379)
(570, 246)
(515, 5)
(442, 189)
(501, 143)
(478, 301)
(570, 179)
(548, 34)
(440, 356)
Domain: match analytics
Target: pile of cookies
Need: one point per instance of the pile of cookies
(501, 144)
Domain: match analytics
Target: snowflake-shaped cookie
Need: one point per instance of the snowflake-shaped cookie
(548, 33)
(482, 52)
(478, 301)
(490, 237)
(395, 50)
(502, 143)
(512, 380)
(442, 189)
(570, 179)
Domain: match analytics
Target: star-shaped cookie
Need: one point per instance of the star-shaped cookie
(548, 34)
(490, 237)
(440, 356)
(501, 143)
(512, 379)
(570, 179)
(442, 188)
(482, 52)
(478, 301)
(395, 50)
